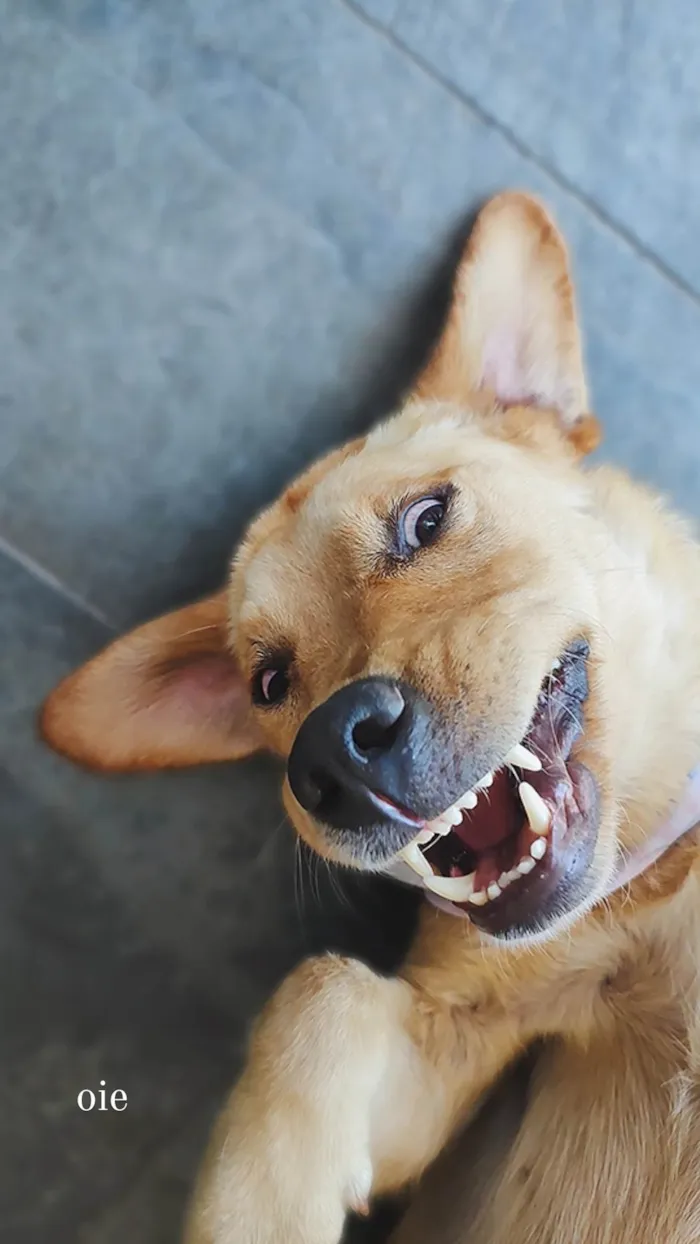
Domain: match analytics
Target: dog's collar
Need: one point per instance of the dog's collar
(684, 816)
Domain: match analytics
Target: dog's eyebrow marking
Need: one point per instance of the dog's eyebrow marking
(263, 578)
(300, 490)
(296, 495)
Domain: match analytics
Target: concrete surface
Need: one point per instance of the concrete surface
(224, 232)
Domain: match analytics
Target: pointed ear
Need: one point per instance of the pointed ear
(168, 694)
(512, 328)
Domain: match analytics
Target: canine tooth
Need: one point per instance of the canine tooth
(425, 835)
(523, 758)
(415, 859)
(526, 865)
(538, 848)
(469, 800)
(486, 780)
(494, 890)
(458, 889)
(535, 807)
(478, 898)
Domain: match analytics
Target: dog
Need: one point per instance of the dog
(479, 657)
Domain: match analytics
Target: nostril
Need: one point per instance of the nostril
(375, 734)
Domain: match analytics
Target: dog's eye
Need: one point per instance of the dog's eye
(270, 685)
(420, 522)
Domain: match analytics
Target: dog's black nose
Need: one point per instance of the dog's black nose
(355, 751)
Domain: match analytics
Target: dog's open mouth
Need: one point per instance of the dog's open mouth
(514, 849)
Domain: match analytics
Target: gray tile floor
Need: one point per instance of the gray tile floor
(224, 232)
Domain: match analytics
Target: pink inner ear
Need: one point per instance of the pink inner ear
(502, 368)
(207, 687)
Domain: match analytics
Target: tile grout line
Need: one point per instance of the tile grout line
(49, 580)
(611, 223)
(92, 57)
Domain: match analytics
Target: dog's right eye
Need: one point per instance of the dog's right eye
(270, 685)
(419, 523)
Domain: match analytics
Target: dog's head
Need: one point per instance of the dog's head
(414, 625)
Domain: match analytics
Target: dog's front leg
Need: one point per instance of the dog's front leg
(350, 1089)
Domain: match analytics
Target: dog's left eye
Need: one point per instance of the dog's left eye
(420, 522)
(270, 685)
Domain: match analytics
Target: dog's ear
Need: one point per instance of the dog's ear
(512, 327)
(168, 694)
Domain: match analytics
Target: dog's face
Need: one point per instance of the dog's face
(413, 626)
(410, 618)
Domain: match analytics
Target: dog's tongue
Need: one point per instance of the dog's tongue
(496, 816)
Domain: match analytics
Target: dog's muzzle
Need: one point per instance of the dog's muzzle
(364, 756)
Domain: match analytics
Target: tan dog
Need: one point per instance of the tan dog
(450, 598)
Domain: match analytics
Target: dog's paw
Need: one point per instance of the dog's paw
(286, 1195)
(292, 1152)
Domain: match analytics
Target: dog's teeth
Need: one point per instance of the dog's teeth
(526, 865)
(453, 815)
(523, 758)
(425, 835)
(556, 665)
(538, 848)
(494, 890)
(415, 859)
(504, 880)
(535, 807)
(443, 828)
(469, 801)
(458, 889)
(478, 898)
(486, 780)
(513, 875)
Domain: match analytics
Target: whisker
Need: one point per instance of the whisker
(298, 879)
(196, 630)
(314, 867)
(335, 878)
